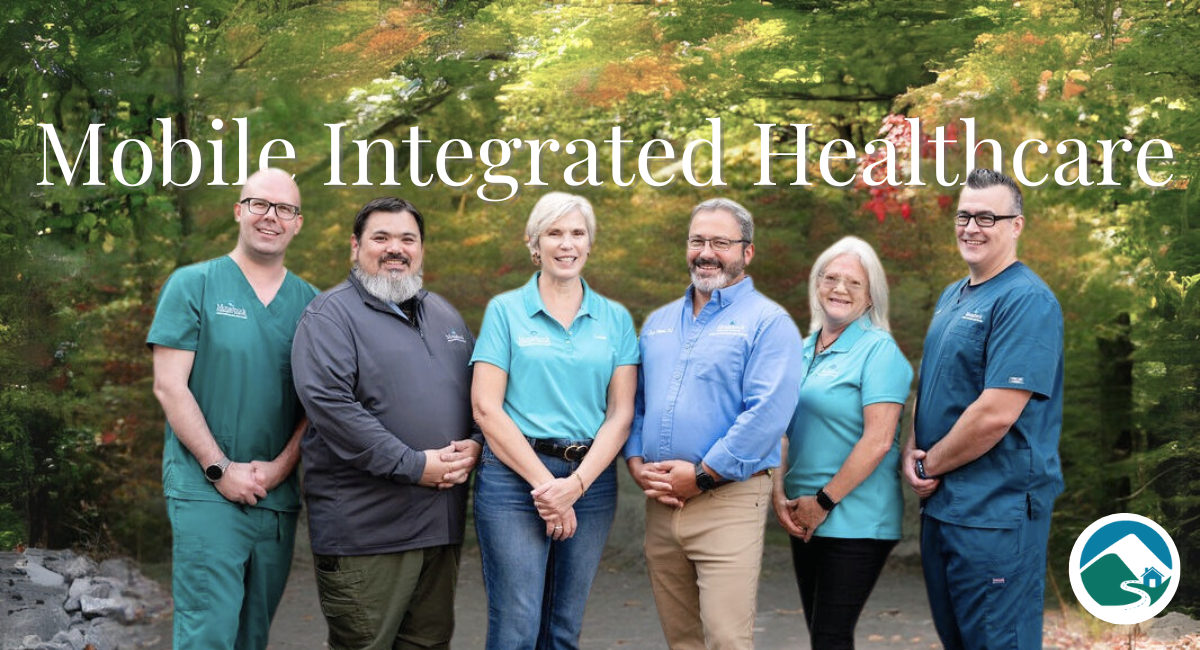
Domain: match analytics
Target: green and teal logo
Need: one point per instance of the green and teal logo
(1124, 569)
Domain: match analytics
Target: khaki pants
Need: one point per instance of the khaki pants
(704, 561)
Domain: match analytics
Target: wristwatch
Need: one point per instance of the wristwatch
(216, 471)
(704, 480)
(827, 504)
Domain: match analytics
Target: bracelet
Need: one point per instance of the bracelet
(582, 487)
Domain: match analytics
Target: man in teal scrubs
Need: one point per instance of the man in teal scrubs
(984, 454)
(222, 340)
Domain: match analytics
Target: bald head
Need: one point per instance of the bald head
(271, 179)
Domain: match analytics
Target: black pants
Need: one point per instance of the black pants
(835, 577)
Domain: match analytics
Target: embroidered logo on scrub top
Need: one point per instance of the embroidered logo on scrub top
(228, 309)
(452, 336)
(533, 340)
(732, 329)
(973, 316)
(1020, 381)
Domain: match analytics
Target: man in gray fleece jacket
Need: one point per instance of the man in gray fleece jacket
(380, 365)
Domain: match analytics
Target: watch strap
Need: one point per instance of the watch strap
(827, 504)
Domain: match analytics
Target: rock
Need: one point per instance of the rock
(73, 639)
(93, 587)
(42, 576)
(1173, 626)
(119, 608)
(72, 566)
(118, 568)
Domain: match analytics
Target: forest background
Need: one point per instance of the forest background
(80, 432)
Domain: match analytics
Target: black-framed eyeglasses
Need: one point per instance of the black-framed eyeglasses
(719, 244)
(285, 211)
(983, 219)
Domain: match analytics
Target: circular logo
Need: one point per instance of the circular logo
(1124, 569)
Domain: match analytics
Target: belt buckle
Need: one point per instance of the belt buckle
(574, 452)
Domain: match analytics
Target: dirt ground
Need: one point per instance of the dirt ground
(621, 614)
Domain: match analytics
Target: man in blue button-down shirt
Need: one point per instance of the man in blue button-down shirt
(718, 384)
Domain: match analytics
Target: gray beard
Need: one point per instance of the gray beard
(711, 284)
(388, 288)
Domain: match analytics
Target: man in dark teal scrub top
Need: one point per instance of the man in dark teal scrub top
(222, 341)
(983, 456)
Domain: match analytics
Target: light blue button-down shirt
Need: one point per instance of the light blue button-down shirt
(720, 387)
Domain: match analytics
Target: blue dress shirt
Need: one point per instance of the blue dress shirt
(720, 387)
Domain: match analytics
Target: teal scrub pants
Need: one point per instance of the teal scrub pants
(230, 567)
(986, 586)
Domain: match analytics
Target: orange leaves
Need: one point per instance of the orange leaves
(397, 34)
(644, 75)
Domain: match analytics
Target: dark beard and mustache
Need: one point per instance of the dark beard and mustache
(390, 286)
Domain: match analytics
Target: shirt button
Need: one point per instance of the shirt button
(676, 376)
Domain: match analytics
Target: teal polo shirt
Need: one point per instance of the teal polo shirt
(241, 375)
(863, 367)
(557, 377)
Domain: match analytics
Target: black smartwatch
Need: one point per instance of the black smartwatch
(216, 471)
(827, 504)
(704, 480)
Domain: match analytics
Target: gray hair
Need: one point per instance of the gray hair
(981, 179)
(744, 219)
(551, 208)
(877, 286)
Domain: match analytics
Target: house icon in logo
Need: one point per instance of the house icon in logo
(1152, 578)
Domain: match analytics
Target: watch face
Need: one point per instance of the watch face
(705, 481)
(214, 472)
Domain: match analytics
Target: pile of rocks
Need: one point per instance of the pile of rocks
(59, 600)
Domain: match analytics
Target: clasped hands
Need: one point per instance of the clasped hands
(451, 465)
(555, 501)
(246, 483)
(670, 482)
(800, 517)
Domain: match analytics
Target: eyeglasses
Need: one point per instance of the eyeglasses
(983, 219)
(285, 211)
(832, 282)
(719, 244)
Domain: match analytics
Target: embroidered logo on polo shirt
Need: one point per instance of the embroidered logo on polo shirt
(452, 336)
(732, 329)
(973, 316)
(533, 339)
(601, 337)
(229, 309)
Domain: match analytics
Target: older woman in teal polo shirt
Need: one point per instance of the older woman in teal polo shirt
(838, 490)
(553, 391)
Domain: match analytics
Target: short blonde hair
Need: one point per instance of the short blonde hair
(877, 287)
(551, 208)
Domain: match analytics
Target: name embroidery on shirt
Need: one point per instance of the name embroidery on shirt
(973, 316)
(533, 340)
(452, 336)
(656, 332)
(228, 309)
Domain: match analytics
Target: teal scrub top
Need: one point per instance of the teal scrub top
(1004, 333)
(864, 366)
(557, 377)
(242, 373)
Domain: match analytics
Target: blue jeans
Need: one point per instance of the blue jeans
(537, 587)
